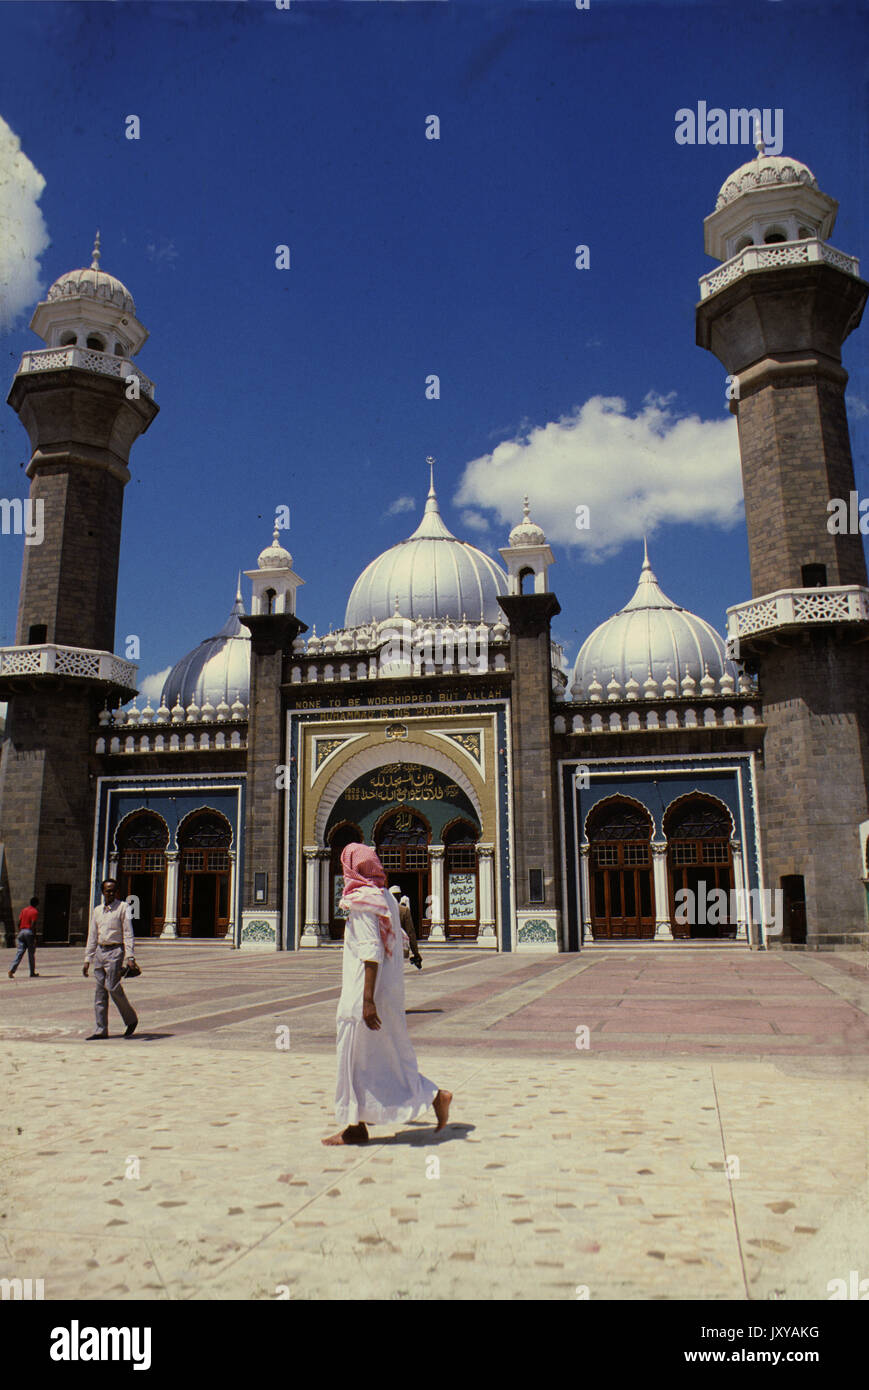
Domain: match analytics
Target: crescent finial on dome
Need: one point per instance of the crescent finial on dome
(759, 142)
(95, 255)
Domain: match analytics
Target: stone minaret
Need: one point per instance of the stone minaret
(776, 314)
(83, 405)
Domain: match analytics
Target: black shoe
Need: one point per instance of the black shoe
(11, 974)
(130, 1029)
(35, 975)
(417, 961)
(92, 1037)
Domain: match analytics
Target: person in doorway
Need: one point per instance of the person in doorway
(109, 943)
(378, 1078)
(407, 926)
(27, 939)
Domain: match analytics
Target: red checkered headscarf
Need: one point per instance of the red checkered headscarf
(364, 882)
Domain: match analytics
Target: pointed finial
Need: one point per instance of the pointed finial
(95, 257)
(526, 513)
(238, 597)
(275, 536)
(646, 565)
(431, 463)
(759, 143)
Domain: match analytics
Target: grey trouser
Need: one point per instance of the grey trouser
(26, 942)
(107, 977)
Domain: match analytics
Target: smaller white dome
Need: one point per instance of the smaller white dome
(93, 283)
(653, 637)
(766, 171)
(527, 532)
(274, 557)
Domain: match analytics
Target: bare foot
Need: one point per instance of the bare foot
(353, 1134)
(441, 1105)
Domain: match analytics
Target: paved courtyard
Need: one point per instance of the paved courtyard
(640, 1123)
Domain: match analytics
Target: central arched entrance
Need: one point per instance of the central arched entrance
(402, 839)
(204, 839)
(700, 859)
(620, 873)
(142, 839)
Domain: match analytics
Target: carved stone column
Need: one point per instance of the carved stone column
(436, 859)
(663, 929)
(741, 898)
(325, 858)
(170, 918)
(230, 926)
(311, 933)
(485, 868)
(585, 888)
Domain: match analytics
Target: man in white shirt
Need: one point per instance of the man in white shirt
(110, 940)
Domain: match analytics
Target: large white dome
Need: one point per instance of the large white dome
(650, 634)
(218, 669)
(432, 574)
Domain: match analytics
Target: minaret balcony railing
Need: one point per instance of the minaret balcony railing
(792, 608)
(82, 662)
(782, 253)
(89, 360)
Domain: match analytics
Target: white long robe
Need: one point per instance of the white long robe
(378, 1078)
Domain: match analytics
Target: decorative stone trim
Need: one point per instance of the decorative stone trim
(846, 603)
(537, 931)
(52, 359)
(259, 931)
(769, 257)
(83, 662)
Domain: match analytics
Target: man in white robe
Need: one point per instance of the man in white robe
(378, 1078)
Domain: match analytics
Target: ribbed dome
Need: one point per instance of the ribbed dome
(218, 669)
(650, 633)
(274, 557)
(93, 283)
(527, 532)
(764, 172)
(432, 575)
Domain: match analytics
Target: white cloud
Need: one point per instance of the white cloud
(150, 688)
(475, 521)
(634, 473)
(857, 407)
(401, 504)
(23, 233)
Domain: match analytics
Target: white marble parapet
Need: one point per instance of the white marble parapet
(844, 603)
(50, 659)
(89, 360)
(783, 253)
(591, 717)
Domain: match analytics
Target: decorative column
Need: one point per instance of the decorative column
(311, 934)
(585, 888)
(325, 858)
(436, 859)
(742, 897)
(663, 930)
(230, 926)
(485, 869)
(170, 920)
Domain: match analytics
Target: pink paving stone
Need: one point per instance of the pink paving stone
(687, 1023)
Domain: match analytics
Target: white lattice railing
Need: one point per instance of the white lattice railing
(783, 253)
(48, 359)
(794, 607)
(52, 660)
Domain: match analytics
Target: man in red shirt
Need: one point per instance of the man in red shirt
(27, 938)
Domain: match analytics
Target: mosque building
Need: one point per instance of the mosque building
(674, 786)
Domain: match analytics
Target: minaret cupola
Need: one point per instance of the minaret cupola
(527, 556)
(769, 200)
(90, 309)
(274, 583)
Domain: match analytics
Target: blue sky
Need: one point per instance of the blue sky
(410, 256)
